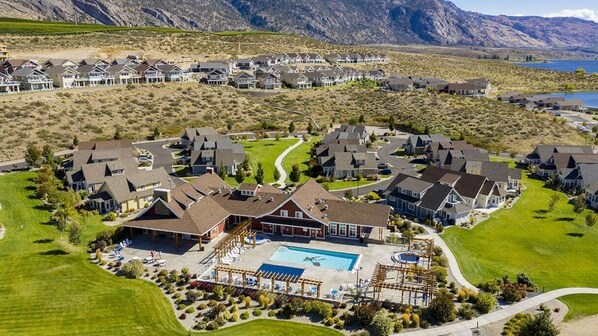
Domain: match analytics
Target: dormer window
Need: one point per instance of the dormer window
(298, 214)
(284, 213)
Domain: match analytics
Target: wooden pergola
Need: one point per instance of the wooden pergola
(272, 276)
(407, 280)
(235, 238)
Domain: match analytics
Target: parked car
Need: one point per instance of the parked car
(386, 171)
(382, 165)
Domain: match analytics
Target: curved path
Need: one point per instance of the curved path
(502, 313)
(453, 265)
(278, 162)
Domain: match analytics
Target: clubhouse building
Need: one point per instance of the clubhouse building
(204, 208)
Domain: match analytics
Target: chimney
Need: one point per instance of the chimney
(210, 170)
(163, 194)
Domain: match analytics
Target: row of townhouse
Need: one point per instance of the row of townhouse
(260, 61)
(62, 73)
(445, 196)
(109, 172)
(542, 102)
(211, 151)
(343, 153)
(478, 87)
(572, 167)
(275, 77)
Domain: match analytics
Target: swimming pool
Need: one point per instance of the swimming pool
(316, 258)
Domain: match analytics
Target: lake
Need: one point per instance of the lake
(565, 65)
(590, 99)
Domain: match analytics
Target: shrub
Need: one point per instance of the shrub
(339, 324)
(272, 313)
(190, 310)
(226, 315)
(212, 326)
(182, 316)
(133, 269)
(466, 311)
(218, 292)
(424, 324)
(513, 293)
(415, 321)
(220, 320)
(363, 313)
(234, 317)
(442, 308)
(200, 325)
(257, 312)
(191, 296)
(486, 302)
(247, 302)
(181, 306)
(212, 303)
(382, 324)
(176, 295)
(111, 217)
(244, 315)
(329, 321)
(202, 306)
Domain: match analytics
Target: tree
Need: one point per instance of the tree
(295, 174)
(348, 194)
(427, 130)
(373, 137)
(247, 162)
(310, 128)
(486, 302)
(276, 174)
(259, 175)
(591, 220)
(292, 127)
(48, 154)
(580, 71)
(553, 201)
(361, 118)
(391, 123)
(277, 136)
(75, 141)
(117, 135)
(240, 176)
(156, 133)
(32, 155)
(539, 325)
(382, 324)
(442, 308)
(222, 170)
(229, 125)
(75, 233)
(579, 204)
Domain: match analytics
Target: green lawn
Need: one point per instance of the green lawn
(336, 185)
(555, 249)
(47, 289)
(275, 328)
(300, 155)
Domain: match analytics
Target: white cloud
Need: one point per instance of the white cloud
(586, 14)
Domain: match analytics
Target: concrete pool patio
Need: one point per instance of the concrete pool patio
(188, 255)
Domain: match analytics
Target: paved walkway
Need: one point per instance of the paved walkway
(278, 162)
(502, 313)
(453, 265)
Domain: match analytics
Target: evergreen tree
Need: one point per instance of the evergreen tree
(295, 174)
(222, 170)
(259, 175)
(240, 176)
(32, 155)
(75, 141)
(75, 233)
(310, 127)
(539, 325)
(276, 174)
(117, 135)
(292, 127)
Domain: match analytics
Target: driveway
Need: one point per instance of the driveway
(162, 156)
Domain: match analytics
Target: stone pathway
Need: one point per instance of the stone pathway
(278, 163)
(460, 327)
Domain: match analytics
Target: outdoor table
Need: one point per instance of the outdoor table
(135, 258)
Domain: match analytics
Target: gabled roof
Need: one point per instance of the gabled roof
(468, 185)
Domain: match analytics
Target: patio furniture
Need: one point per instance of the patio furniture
(161, 262)
(148, 260)
(135, 258)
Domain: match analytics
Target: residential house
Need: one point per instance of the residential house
(375, 74)
(215, 152)
(32, 79)
(429, 83)
(129, 192)
(416, 144)
(93, 75)
(506, 178)
(398, 84)
(324, 151)
(312, 58)
(465, 89)
(246, 64)
(3, 53)
(261, 61)
(217, 77)
(569, 169)
(569, 105)
(343, 165)
(207, 67)
(543, 153)
(483, 83)
(202, 209)
(319, 79)
(55, 62)
(100, 63)
(150, 73)
(123, 74)
(436, 201)
(190, 134)
(243, 80)
(8, 85)
(172, 73)
(12, 65)
(296, 81)
(63, 77)
(268, 81)
(131, 62)
(548, 102)
(456, 159)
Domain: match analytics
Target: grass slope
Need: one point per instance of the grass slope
(301, 155)
(274, 328)
(47, 289)
(265, 151)
(527, 239)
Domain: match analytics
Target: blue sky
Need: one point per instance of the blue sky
(587, 9)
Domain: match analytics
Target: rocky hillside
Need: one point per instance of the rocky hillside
(436, 22)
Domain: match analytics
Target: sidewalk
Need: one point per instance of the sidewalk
(278, 163)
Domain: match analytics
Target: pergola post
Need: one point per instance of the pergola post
(273, 281)
(131, 231)
(318, 294)
(254, 239)
(230, 277)
(176, 239)
(287, 289)
(216, 274)
(199, 242)
(244, 276)
(153, 236)
(302, 288)
(259, 281)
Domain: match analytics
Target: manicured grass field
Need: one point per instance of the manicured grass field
(300, 155)
(556, 249)
(336, 185)
(47, 288)
(265, 151)
(275, 328)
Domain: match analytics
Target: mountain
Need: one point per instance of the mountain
(437, 22)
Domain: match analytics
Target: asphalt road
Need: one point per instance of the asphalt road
(162, 156)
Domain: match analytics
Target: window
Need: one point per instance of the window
(284, 213)
(342, 229)
(298, 214)
(410, 206)
(332, 229)
(352, 230)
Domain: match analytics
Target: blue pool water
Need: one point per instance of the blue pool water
(315, 258)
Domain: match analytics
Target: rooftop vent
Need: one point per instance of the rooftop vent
(218, 191)
(326, 207)
(271, 199)
(259, 198)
